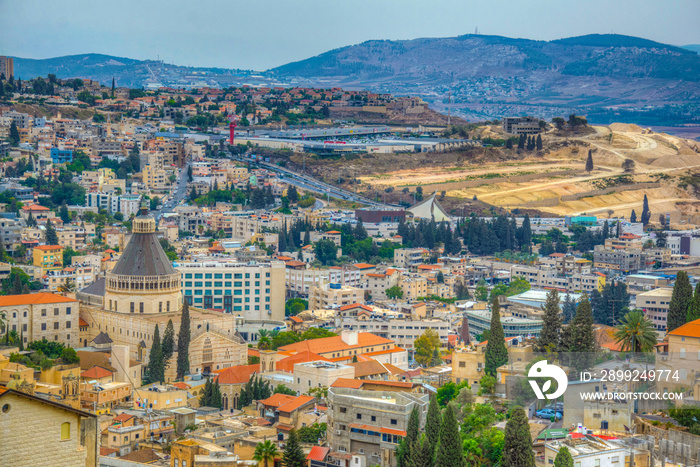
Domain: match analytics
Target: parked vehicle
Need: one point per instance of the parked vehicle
(548, 414)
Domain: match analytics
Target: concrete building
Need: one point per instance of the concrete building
(655, 304)
(42, 315)
(480, 320)
(334, 296)
(403, 332)
(378, 283)
(409, 257)
(251, 290)
(48, 257)
(7, 66)
(590, 451)
(37, 431)
(468, 362)
(319, 374)
(60, 156)
(521, 125)
(371, 423)
(609, 414)
(300, 279)
(614, 259)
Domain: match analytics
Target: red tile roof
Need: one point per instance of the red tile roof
(364, 266)
(347, 383)
(96, 372)
(82, 323)
(391, 431)
(296, 319)
(335, 343)
(48, 247)
(287, 364)
(285, 403)
(355, 305)
(318, 453)
(121, 418)
(34, 299)
(237, 374)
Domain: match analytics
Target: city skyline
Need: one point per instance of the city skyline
(273, 33)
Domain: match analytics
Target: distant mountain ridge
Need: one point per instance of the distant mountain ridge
(454, 58)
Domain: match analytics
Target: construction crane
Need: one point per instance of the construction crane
(233, 121)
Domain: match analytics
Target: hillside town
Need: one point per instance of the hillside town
(172, 294)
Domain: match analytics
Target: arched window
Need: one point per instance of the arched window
(65, 431)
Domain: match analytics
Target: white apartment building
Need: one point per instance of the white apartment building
(334, 296)
(301, 281)
(402, 331)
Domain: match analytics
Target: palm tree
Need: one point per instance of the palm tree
(68, 286)
(264, 452)
(264, 341)
(635, 333)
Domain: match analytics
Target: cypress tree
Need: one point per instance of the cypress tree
(633, 217)
(646, 213)
(50, 234)
(206, 394)
(694, 308)
(168, 344)
(421, 455)
(517, 445)
(432, 424)
(564, 458)
(496, 351)
(215, 395)
(404, 450)
(589, 161)
(307, 236)
(112, 87)
(156, 370)
(527, 234)
(183, 342)
(450, 452)
(568, 309)
(551, 327)
(681, 298)
(293, 455)
(579, 340)
(539, 142)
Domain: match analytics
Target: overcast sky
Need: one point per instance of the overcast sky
(261, 34)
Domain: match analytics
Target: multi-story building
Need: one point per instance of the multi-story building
(614, 259)
(60, 156)
(331, 295)
(371, 423)
(521, 125)
(48, 257)
(318, 374)
(413, 286)
(403, 332)
(378, 283)
(468, 362)
(300, 279)
(127, 204)
(409, 257)
(624, 241)
(10, 232)
(253, 291)
(42, 315)
(7, 67)
(513, 326)
(655, 305)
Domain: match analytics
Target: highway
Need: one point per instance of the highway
(176, 195)
(309, 183)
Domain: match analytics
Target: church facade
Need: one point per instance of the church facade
(142, 291)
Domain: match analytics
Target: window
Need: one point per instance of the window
(43, 326)
(65, 431)
(462, 364)
(374, 419)
(55, 325)
(55, 311)
(176, 463)
(343, 410)
(43, 312)
(393, 421)
(132, 306)
(68, 324)
(141, 307)
(359, 416)
(68, 310)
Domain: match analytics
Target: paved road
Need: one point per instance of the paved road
(176, 195)
(311, 184)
